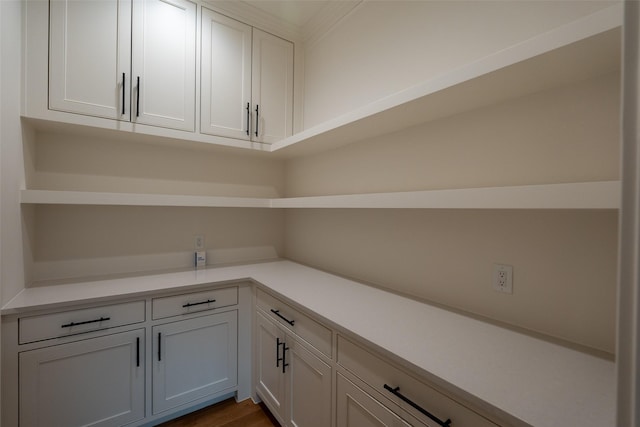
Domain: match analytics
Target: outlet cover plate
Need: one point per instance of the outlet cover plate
(198, 242)
(503, 278)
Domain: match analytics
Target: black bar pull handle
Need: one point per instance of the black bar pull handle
(278, 358)
(123, 88)
(257, 118)
(284, 357)
(396, 392)
(277, 313)
(138, 98)
(138, 352)
(69, 325)
(191, 304)
(248, 117)
(159, 347)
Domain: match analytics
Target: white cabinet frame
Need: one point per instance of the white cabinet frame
(628, 350)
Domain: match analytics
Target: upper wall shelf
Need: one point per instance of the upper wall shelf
(582, 195)
(48, 197)
(580, 50)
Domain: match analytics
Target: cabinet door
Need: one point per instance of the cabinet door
(309, 391)
(89, 57)
(98, 382)
(164, 63)
(271, 379)
(356, 408)
(225, 91)
(272, 87)
(194, 358)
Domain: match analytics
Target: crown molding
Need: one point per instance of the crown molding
(324, 21)
(319, 25)
(255, 17)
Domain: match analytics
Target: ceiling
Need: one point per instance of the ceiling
(295, 12)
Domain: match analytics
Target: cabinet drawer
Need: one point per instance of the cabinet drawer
(356, 408)
(377, 373)
(300, 324)
(56, 325)
(194, 302)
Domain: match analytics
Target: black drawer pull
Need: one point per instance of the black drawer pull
(191, 304)
(396, 392)
(159, 346)
(277, 313)
(123, 88)
(138, 352)
(138, 98)
(284, 358)
(248, 118)
(278, 358)
(69, 325)
(257, 118)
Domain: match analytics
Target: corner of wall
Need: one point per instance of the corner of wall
(12, 176)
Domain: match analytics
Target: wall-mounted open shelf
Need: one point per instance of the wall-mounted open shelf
(588, 195)
(580, 50)
(582, 195)
(49, 197)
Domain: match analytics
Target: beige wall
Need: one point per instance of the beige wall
(564, 262)
(570, 134)
(385, 46)
(80, 241)
(82, 163)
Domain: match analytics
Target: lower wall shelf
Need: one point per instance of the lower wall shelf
(581, 195)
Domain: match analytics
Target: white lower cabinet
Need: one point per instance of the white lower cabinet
(403, 391)
(98, 382)
(301, 372)
(193, 359)
(294, 383)
(127, 363)
(356, 408)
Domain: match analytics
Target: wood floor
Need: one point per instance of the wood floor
(227, 414)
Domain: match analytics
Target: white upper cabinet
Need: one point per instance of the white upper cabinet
(90, 57)
(164, 63)
(272, 87)
(247, 81)
(226, 76)
(130, 61)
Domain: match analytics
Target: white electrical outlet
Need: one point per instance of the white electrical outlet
(199, 242)
(503, 278)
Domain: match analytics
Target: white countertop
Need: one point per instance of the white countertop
(534, 381)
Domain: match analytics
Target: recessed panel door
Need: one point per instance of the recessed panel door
(272, 88)
(309, 380)
(164, 63)
(90, 57)
(194, 358)
(97, 382)
(270, 376)
(225, 104)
